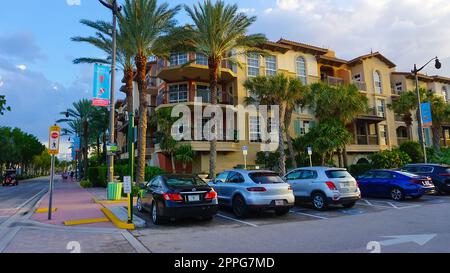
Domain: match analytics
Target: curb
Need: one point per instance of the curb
(116, 221)
(108, 202)
(85, 221)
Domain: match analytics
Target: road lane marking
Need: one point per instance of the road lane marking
(29, 199)
(391, 204)
(373, 205)
(367, 202)
(237, 220)
(410, 206)
(310, 215)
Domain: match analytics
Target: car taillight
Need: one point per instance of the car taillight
(256, 189)
(416, 181)
(172, 197)
(211, 195)
(331, 185)
(444, 174)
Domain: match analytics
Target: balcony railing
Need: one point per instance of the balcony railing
(203, 95)
(367, 139)
(401, 140)
(395, 91)
(152, 82)
(333, 80)
(361, 85)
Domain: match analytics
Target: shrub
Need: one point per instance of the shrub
(413, 149)
(359, 169)
(440, 157)
(102, 176)
(86, 184)
(151, 172)
(268, 160)
(93, 176)
(389, 159)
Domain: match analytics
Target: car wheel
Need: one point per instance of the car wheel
(139, 204)
(157, 219)
(281, 212)
(397, 194)
(319, 201)
(349, 205)
(240, 208)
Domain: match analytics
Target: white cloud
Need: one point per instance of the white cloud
(21, 67)
(73, 2)
(1, 82)
(268, 10)
(247, 10)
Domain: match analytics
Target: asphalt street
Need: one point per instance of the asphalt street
(373, 225)
(11, 197)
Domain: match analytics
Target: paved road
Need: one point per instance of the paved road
(364, 228)
(12, 197)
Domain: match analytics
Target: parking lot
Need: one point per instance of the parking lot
(301, 212)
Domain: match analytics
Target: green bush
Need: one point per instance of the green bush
(93, 176)
(151, 172)
(413, 149)
(440, 157)
(103, 176)
(389, 159)
(86, 184)
(121, 171)
(98, 176)
(359, 169)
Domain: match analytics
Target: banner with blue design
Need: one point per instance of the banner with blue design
(102, 91)
(427, 120)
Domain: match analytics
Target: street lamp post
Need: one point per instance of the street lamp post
(416, 71)
(112, 5)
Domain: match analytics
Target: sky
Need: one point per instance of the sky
(39, 80)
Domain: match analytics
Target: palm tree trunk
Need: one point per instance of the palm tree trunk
(141, 62)
(104, 147)
(128, 76)
(86, 148)
(213, 76)
(281, 149)
(172, 159)
(184, 167)
(287, 125)
(344, 156)
(436, 137)
(98, 150)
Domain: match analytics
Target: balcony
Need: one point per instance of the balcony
(333, 80)
(372, 116)
(395, 92)
(367, 139)
(361, 85)
(152, 82)
(401, 140)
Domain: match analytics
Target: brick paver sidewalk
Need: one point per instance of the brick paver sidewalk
(72, 203)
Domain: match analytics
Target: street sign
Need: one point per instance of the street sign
(309, 150)
(426, 114)
(111, 149)
(53, 142)
(102, 91)
(245, 150)
(127, 184)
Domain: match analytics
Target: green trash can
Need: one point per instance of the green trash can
(114, 191)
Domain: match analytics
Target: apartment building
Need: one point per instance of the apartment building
(184, 78)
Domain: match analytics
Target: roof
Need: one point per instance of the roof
(331, 60)
(441, 79)
(303, 47)
(428, 164)
(249, 171)
(273, 46)
(377, 54)
(410, 75)
(320, 168)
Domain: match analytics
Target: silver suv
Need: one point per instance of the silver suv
(323, 186)
(253, 190)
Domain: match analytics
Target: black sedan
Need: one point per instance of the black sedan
(177, 196)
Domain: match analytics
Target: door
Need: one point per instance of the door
(218, 184)
(293, 179)
(381, 185)
(306, 182)
(150, 188)
(230, 185)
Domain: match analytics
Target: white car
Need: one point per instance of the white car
(324, 186)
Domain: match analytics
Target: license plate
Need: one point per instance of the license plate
(345, 184)
(279, 203)
(344, 190)
(193, 198)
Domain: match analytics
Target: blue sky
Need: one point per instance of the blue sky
(39, 79)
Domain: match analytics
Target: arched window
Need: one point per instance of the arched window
(445, 93)
(301, 69)
(377, 82)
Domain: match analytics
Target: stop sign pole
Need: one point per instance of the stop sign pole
(53, 150)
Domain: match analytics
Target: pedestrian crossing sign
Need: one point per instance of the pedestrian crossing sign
(53, 142)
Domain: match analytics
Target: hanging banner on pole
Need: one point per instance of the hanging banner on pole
(427, 120)
(102, 91)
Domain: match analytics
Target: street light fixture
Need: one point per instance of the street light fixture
(115, 8)
(416, 71)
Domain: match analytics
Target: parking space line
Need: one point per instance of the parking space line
(372, 205)
(237, 220)
(310, 215)
(367, 202)
(410, 206)
(394, 206)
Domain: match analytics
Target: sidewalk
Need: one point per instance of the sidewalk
(72, 203)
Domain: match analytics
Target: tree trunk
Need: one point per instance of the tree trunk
(184, 168)
(281, 149)
(98, 150)
(339, 155)
(86, 148)
(287, 125)
(141, 63)
(436, 137)
(344, 156)
(172, 160)
(213, 76)
(104, 148)
(128, 77)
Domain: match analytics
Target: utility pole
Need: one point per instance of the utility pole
(115, 10)
(415, 72)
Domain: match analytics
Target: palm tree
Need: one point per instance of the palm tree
(342, 103)
(103, 41)
(80, 116)
(220, 33)
(185, 155)
(403, 106)
(144, 22)
(277, 90)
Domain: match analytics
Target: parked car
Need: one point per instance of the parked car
(439, 173)
(394, 184)
(253, 190)
(176, 197)
(10, 178)
(65, 175)
(324, 186)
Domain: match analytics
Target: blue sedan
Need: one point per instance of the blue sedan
(394, 184)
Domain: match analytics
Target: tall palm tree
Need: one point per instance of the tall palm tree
(403, 105)
(144, 22)
(80, 114)
(103, 41)
(220, 33)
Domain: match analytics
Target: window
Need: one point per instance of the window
(222, 177)
(178, 93)
(293, 175)
(266, 178)
(383, 135)
(357, 77)
(402, 132)
(377, 82)
(178, 59)
(337, 174)
(202, 92)
(253, 64)
(426, 169)
(271, 65)
(398, 87)
(201, 59)
(301, 127)
(444, 93)
(383, 175)
(381, 107)
(301, 69)
(307, 174)
(254, 129)
(235, 178)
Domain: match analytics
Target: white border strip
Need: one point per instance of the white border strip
(234, 219)
(310, 215)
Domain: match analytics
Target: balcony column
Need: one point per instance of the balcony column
(191, 91)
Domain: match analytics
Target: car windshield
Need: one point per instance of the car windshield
(407, 174)
(266, 178)
(337, 174)
(184, 181)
